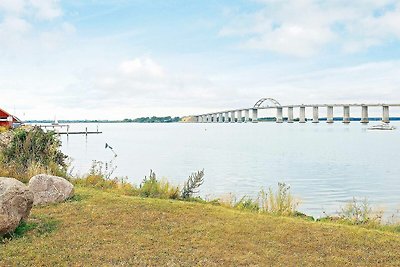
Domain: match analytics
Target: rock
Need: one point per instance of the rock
(50, 189)
(15, 204)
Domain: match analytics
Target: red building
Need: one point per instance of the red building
(8, 120)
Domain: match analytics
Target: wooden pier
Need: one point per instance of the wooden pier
(54, 127)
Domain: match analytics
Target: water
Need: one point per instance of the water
(326, 165)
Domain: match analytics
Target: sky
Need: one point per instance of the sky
(98, 59)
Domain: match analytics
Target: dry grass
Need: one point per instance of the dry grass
(103, 229)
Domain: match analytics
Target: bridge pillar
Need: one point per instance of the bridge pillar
(385, 115)
(346, 114)
(246, 115)
(364, 114)
(255, 115)
(215, 117)
(315, 115)
(329, 114)
(226, 116)
(302, 114)
(239, 116)
(220, 117)
(232, 116)
(290, 115)
(279, 115)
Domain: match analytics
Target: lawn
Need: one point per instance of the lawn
(101, 229)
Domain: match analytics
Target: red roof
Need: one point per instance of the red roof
(4, 115)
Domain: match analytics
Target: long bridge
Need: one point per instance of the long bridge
(243, 114)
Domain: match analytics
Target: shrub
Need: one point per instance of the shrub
(33, 151)
(190, 187)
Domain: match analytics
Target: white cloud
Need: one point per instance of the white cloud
(304, 27)
(12, 6)
(27, 25)
(141, 67)
(46, 9)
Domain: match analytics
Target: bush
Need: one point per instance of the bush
(32, 151)
(190, 187)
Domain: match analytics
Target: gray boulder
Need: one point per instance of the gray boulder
(15, 204)
(49, 189)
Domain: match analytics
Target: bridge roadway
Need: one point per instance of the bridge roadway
(243, 114)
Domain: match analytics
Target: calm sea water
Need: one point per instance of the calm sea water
(325, 165)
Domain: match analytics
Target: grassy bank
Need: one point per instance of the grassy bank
(99, 228)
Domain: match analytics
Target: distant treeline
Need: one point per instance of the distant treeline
(153, 119)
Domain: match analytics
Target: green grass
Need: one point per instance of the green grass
(98, 228)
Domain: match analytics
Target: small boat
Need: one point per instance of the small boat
(383, 126)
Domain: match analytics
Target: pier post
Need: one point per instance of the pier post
(364, 114)
(315, 115)
(329, 114)
(226, 117)
(279, 115)
(290, 115)
(255, 115)
(385, 115)
(233, 118)
(302, 114)
(346, 114)
(246, 115)
(239, 116)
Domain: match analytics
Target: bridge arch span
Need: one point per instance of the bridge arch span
(267, 102)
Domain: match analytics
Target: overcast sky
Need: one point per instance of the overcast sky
(99, 59)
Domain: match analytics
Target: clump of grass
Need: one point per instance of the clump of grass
(3, 129)
(99, 177)
(280, 202)
(360, 213)
(151, 187)
(38, 225)
(246, 203)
